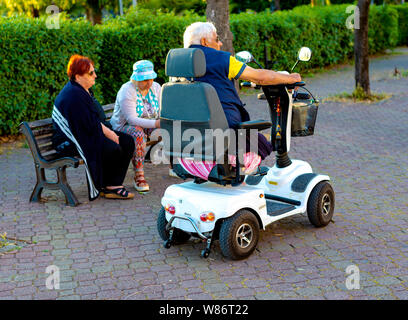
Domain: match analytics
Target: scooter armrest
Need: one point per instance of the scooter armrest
(255, 124)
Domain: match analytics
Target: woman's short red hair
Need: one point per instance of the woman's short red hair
(78, 65)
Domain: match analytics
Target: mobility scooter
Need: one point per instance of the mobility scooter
(231, 206)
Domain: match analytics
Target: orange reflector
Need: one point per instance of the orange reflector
(210, 216)
(207, 217)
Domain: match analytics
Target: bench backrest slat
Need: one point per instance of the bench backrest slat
(40, 123)
(43, 139)
(39, 133)
(46, 147)
(43, 132)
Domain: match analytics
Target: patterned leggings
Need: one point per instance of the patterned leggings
(139, 135)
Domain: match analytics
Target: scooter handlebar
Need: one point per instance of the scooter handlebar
(296, 84)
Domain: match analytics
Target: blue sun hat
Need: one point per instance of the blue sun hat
(143, 70)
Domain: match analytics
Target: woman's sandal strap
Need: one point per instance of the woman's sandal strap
(120, 192)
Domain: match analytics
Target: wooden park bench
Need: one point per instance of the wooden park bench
(38, 135)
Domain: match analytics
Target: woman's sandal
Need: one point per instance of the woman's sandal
(102, 192)
(140, 183)
(118, 193)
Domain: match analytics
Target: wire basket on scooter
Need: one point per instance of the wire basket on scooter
(304, 115)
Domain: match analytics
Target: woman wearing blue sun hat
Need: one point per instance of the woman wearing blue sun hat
(137, 110)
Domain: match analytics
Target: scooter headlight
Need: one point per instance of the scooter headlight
(207, 217)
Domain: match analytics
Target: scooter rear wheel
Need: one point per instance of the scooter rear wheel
(320, 206)
(179, 236)
(239, 235)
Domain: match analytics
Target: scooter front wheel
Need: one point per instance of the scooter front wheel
(239, 235)
(179, 236)
(320, 206)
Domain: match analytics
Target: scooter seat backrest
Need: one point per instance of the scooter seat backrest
(187, 63)
(191, 110)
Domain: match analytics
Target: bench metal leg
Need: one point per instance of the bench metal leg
(70, 197)
(61, 184)
(39, 186)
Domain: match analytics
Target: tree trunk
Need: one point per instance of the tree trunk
(35, 12)
(361, 48)
(277, 5)
(218, 13)
(315, 3)
(94, 11)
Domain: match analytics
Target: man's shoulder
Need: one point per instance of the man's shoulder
(219, 52)
(212, 51)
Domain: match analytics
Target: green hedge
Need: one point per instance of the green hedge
(141, 35)
(402, 23)
(383, 28)
(323, 29)
(34, 58)
(33, 65)
(283, 33)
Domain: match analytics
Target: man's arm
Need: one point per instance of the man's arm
(265, 77)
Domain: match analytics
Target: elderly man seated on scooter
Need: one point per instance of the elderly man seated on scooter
(221, 71)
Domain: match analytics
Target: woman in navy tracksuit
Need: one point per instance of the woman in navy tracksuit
(79, 130)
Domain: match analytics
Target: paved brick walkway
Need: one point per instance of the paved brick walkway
(111, 250)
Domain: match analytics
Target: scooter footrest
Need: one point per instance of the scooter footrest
(274, 208)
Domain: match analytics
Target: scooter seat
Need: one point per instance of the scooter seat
(210, 170)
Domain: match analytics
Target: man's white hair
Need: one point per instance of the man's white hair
(196, 31)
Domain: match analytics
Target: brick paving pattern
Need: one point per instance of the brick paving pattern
(109, 249)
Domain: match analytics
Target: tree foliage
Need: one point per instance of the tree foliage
(35, 8)
(177, 6)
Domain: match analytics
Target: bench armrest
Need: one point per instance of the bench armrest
(255, 124)
(66, 161)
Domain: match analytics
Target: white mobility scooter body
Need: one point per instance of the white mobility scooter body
(234, 211)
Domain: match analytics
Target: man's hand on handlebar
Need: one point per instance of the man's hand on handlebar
(295, 77)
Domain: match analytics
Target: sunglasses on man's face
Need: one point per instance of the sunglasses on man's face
(91, 73)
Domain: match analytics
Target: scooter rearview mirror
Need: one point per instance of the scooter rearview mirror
(304, 54)
(244, 56)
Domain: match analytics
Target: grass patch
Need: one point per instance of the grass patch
(400, 73)
(6, 245)
(11, 244)
(358, 95)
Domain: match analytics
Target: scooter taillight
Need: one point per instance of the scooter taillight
(170, 209)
